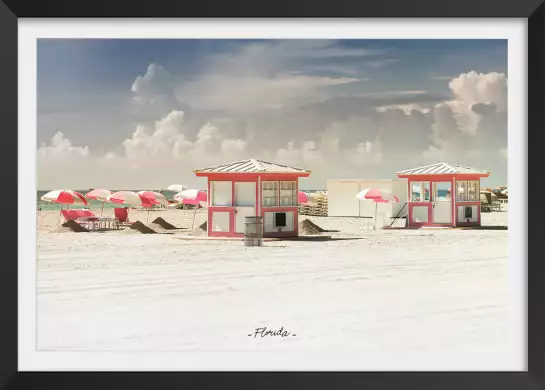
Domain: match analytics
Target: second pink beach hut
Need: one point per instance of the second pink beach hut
(455, 195)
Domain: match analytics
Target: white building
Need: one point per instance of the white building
(342, 202)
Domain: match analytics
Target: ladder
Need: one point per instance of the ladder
(399, 214)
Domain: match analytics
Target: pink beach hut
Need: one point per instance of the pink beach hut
(252, 188)
(455, 195)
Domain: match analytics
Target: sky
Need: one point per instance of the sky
(143, 114)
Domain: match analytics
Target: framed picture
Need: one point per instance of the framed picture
(195, 185)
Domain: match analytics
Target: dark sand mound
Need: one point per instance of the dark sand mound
(316, 227)
(159, 228)
(75, 227)
(200, 230)
(139, 226)
(308, 228)
(164, 224)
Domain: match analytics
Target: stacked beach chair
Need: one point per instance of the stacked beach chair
(318, 209)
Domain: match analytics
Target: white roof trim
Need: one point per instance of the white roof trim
(443, 169)
(251, 166)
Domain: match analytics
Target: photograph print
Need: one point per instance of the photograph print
(264, 195)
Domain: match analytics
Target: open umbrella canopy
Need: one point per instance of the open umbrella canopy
(126, 197)
(377, 194)
(305, 198)
(152, 198)
(99, 194)
(191, 194)
(177, 187)
(64, 197)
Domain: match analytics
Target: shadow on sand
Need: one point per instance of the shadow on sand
(318, 238)
(499, 227)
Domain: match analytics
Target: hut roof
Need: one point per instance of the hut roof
(251, 166)
(443, 168)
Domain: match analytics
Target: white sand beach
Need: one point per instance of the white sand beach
(387, 291)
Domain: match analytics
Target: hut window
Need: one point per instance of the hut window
(467, 190)
(288, 193)
(461, 189)
(279, 219)
(416, 191)
(420, 191)
(441, 191)
(472, 190)
(426, 190)
(222, 193)
(269, 193)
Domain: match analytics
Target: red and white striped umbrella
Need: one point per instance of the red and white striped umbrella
(194, 197)
(64, 197)
(130, 198)
(191, 196)
(177, 187)
(304, 198)
(99, 194)
(152, 198)
(378, 195)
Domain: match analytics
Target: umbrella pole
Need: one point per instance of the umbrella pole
(147, 219)
(375, 223)
(194, 216)
(102, 210)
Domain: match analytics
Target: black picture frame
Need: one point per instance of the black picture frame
(11, 10)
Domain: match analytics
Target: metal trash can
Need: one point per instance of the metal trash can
(253, 231)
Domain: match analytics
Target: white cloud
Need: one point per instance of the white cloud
(61, 148)
(153, 93)
(274, 116)
(157, 81)
(473, 127)
(381, 63)
(246, 92)
(406, 108)
(473, 87)
(233, 146)
(167, 141)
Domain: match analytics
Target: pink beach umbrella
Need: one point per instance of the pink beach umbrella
(192, 196)
(304, 198)
(151, 198)
(176, 187)
(378, 195)
(64, 197)
(129, 198)
(100, 195)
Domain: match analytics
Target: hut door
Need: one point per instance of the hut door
(441, 203)
(245, 194)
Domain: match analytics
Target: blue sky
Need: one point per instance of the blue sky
(89, 91)
(104, 67)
